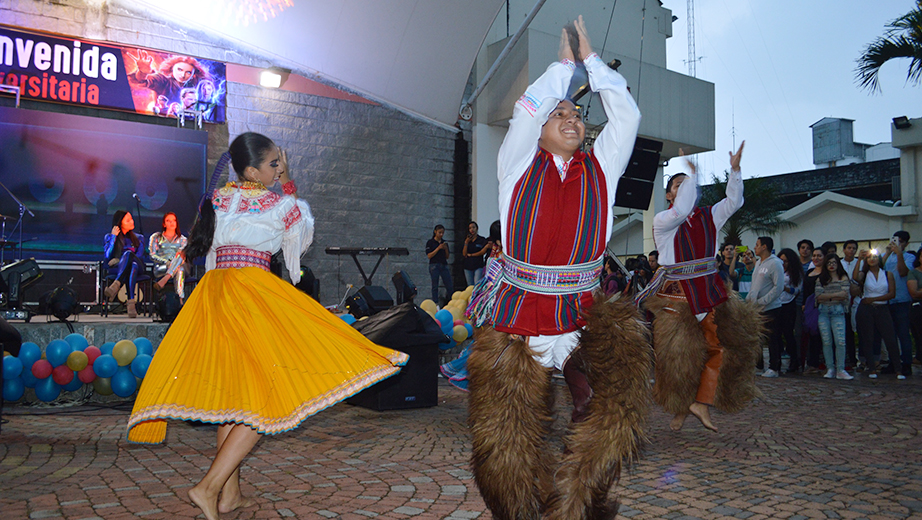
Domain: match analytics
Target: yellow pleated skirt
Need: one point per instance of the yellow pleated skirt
(249, 348)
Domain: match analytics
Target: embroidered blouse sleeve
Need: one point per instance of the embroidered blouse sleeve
(298, 234)
(615, 143)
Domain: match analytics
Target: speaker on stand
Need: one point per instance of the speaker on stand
(635, 189)
(369, 300)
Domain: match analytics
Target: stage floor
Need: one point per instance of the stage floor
(97, 329)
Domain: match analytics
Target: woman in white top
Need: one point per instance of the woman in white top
(873, 314)
(249, 351)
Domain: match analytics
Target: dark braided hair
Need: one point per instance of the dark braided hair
(248, 149)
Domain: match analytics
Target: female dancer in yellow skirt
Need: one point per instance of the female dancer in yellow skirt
(249, 351)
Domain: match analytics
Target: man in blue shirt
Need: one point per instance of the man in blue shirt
(900, 306)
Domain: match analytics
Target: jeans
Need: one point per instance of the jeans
(900, 314)
(473, 276)
(832, 329)
(773, 324)
(435, 271)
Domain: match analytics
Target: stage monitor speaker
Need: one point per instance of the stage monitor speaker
(635, 189)
(16, 277)
(406, 290)
(369, 300)
(411, 330)
(79, 276)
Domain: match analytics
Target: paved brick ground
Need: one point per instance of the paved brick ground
(812, 448)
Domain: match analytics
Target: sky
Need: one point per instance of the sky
(780, 66)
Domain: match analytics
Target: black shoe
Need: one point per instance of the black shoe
(888, 369)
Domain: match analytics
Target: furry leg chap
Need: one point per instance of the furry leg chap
(511, 403)
(681, 352)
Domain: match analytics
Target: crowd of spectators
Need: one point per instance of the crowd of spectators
(825, 313)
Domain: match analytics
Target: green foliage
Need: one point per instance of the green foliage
(761, 211)
(903, 39)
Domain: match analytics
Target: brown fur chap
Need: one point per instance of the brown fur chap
(510, 417)
(616, 348)
(510, 414)
(681, 352)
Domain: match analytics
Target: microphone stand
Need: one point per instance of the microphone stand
(137, 203)
(22, 210)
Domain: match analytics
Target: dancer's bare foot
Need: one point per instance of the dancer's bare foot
(208, 505)
(678, 421)
(226, 505)
(703, 413)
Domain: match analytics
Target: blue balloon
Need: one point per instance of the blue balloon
(348, 318)
(107, 347)
(12, 367)
(57, 351)
(47, 390)
(28, 379)
(140, 364)
(13, 389)
(123, 382)
(144, 346)
(105, 366)
(77, 341)
(29, 353)
(445, 318)
(74, 385)
(445, 346)
(470, 330)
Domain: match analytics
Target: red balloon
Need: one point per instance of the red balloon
(459, 322)
(92, 353)
(62, 375)
(42, 368)
(87, 375)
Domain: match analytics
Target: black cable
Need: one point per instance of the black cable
(602, 53)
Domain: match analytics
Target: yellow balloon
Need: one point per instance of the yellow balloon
(456, 313)
(124, 352)
(5, 353)
(77, 361)
(429, 306)
(459, 333)
(103, 385)
(457, 295)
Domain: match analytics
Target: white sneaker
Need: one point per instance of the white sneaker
(830, 374)
(872, 375)
(901, 377)
(841, 374)
(769, 373)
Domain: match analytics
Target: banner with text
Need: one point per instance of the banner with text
(91, 73)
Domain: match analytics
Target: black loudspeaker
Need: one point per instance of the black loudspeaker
(309, 284)
(411, 330)
(16, 277)
(168, 307)
(369, 300)
(635, 189)
(406, 290)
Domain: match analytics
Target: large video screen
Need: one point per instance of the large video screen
(74, 172)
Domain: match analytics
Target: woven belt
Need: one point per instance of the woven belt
(237, 257)
(552, 279)
(677, 272)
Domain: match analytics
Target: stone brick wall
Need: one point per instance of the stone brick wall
(374, 176)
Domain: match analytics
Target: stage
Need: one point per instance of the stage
(95, 328)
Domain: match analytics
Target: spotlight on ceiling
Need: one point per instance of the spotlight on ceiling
(901, 122)
(273, 77)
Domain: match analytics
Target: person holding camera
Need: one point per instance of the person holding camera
(475, 251)
(437, 251)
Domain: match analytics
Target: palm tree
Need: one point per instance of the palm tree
(903, 39)
(761, 211)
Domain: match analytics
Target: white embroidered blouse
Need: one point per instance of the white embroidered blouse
(249, 215)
